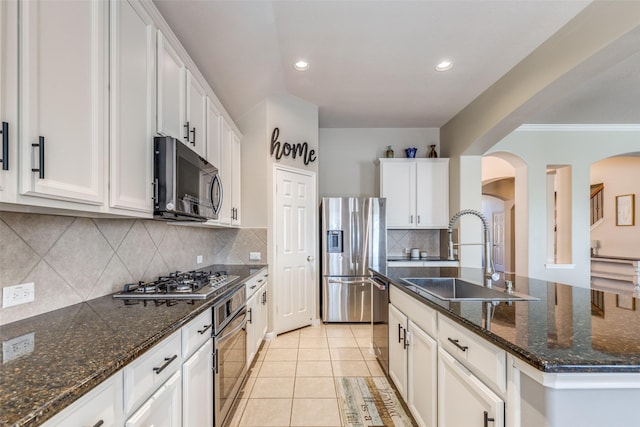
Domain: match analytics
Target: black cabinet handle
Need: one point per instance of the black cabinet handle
(186, 126)
(206, 328)
(215, 357)
(167, 362)
(400, 333)
(264, 297)
(457, 344)
(405, 345)
(487, 419)
(5, 146)
(40, 146)
(250, 316)
(193, 131)
(98, 424)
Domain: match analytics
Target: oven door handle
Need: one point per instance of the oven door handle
(225, 335)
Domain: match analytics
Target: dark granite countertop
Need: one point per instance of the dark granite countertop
(78, 347)
(569, 329)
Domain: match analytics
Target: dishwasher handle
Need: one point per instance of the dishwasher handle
(378, 284)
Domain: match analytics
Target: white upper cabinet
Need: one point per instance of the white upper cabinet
(214, 133)
(8, 99)
(226, 174)
(196, 116)
(398, 185)
(132, 48)
(417, 192)
(236, 175)
(63, 99)
(182, 100)
(171, 91)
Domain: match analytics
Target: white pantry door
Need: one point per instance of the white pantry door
(295, 232)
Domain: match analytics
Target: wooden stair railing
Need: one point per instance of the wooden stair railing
(597, 198)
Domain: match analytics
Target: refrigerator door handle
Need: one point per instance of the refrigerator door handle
(348, 282)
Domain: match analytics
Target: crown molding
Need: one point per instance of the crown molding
(578, 128)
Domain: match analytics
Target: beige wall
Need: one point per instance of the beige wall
(349, 165)
(73, 259)
(541, 146)
(620, 175)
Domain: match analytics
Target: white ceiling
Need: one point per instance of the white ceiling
(372, 62)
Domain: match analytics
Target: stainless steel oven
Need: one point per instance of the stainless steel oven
(230, 351)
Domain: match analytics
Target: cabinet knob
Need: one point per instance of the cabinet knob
(310, 258)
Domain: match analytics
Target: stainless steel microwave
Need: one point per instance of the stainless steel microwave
(186, 186)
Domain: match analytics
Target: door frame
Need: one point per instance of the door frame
(272, 243)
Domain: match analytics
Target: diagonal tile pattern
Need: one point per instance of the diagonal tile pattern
(72, 259)
(299, 388)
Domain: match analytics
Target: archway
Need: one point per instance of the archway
(504, 195)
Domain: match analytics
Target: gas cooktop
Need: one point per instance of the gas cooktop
(190, 285)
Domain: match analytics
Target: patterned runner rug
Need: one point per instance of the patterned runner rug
(369, 402)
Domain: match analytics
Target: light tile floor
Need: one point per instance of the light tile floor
(291, 382)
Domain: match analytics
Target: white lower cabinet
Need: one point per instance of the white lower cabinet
(257, 309)
(397, 354)
(422, 392)
(413, 366)
(197, 387)
(464, 400)
(447, 375)
(163, 409)
(103, 405)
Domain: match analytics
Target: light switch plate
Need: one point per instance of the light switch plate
(199, 259)
(255, 256)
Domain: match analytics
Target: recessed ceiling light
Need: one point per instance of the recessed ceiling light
(301, 65)
(444, 65)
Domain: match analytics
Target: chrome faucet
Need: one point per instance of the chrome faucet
(489, 272)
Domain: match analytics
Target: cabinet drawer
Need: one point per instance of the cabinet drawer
(146, 374)
(256, 282)
(196, 333)
(103, 403)
(419, 313)
(484, 359)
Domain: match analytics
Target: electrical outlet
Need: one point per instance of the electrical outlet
(18, 294)
(199, 259)
(255, 256)
(18, 346)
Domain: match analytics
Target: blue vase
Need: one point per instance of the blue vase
(411, 152)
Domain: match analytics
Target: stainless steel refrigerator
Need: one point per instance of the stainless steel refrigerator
(354, 237)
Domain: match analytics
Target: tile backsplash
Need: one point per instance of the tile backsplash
(73, 259)
(425, 240)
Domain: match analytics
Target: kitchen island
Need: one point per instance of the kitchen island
(58, 357)
(572, 355)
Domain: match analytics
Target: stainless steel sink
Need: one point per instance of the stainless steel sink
(456, 289)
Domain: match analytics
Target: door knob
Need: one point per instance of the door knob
(310, 258)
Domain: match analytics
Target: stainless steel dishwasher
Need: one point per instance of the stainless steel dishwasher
(380, 319)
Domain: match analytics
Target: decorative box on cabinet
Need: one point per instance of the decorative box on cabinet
(417, 192)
